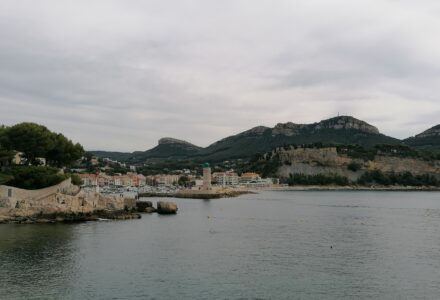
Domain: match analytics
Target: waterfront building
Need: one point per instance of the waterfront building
(162, 179)
(89, 179)
(128, 180)
(225, 178)
(249, 177)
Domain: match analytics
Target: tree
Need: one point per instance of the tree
(31, 139)
(183, 181)
(37, 141)
(63, 151)
(5, 154)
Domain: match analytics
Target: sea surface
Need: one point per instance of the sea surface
(273, 245)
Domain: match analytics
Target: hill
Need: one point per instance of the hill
(168, 148)
(338, 130)
(119, 156)
(427, 140)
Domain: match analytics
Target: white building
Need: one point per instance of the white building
(226, 178)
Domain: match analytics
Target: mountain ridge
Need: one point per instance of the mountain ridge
(259, 139)
(426, 140)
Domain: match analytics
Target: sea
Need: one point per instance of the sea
(271, 245)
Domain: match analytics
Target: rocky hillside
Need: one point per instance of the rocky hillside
(339, 130)
(312, 161)
(427, 140)
(168, 148)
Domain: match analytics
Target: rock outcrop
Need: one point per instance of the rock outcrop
(346, 122)
(145, 207)
(62, 202)
(166, 208)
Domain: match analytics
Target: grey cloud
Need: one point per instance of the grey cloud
(119, 76)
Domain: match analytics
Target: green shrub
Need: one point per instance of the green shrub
(5, 178)
(354, 166)
(34, 177)
(76, 180)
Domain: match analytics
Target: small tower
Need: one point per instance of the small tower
(206, 177)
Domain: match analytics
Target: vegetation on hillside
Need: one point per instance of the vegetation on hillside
(318, 179)
(35, 141)
(33, 177)
(261, 140)
(392, 178)
(375, 177)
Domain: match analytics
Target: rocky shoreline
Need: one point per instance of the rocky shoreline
(70, 217)
(164, 208)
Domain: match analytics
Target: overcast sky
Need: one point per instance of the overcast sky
(118, 75)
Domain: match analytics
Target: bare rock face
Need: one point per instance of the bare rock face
(432, 132)
(166, 208)
(337, 123)
(259, 130)
(288, 129)
(346, 122)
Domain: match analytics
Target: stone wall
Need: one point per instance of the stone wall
(11, 195)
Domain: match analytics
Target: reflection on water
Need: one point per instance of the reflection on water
(332, 245)
(34, 260)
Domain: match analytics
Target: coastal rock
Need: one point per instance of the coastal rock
(150, 210)
(166, 208)
(142, 206)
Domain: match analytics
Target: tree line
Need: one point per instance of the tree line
(367, 179)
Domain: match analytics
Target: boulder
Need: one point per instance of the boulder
(166, 208)
(143, 206)
(150, 210)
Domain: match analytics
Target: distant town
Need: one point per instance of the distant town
(106, 180)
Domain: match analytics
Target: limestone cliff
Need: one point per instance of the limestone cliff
(311, 161)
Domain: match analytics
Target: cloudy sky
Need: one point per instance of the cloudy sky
(118, 75)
